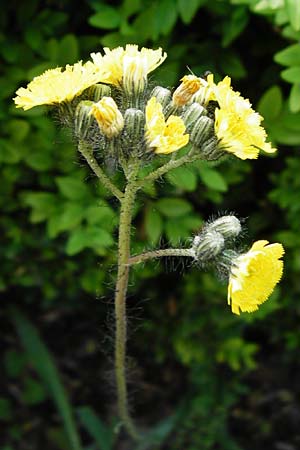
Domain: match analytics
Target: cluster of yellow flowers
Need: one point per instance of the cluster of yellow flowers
(169, 122)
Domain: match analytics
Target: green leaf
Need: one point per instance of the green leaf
(292, 74)
(6, 410)
(173, 207)
(44, 364)
(18, 129)
(270, 103)
(213, 179)
(153, 225)
(107, 18)
(166, 18)
(289, 56)
(102, 435)
(234, 26)
(183, 177)
(68, 50)
(232, 65)
(71, 216)
(77, 241)
(293, 11)
(72, 188)
(33, 392)
(187, 10)
(14, 363)
(88, 237)
(294, 99)
(43, 204)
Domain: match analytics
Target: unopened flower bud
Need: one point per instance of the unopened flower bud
(83, 118)
(208, 245)
(163, 95)
(98, 91)
(192, 114)
(134, 120)
(201, 131)
(190, 84)
(228, 226)
(210, 149)
(108, 116)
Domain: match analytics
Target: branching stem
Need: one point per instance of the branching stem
(186, 252)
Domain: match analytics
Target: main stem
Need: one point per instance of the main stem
(120, 302)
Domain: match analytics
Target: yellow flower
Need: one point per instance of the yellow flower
(57, 85)
(190, 84)
(254, 276)
(129, 66)
(237, 126)
(163, 136)
(108, 116)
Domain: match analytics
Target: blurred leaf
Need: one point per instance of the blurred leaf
(289, 56)
(46, 369)
(293, 12)
(213, 179)
(188, 10)
(72, 188)
(234, 25)
(68, 50)
(14, 363)
(270, 103)
(106, 18)
(104, 436)
(183, 177)
(33, 392)
(173, 207)
(6, 410)
(292, 74)
(294, 99)
(153, 225)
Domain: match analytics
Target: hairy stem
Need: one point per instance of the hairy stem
(87, 153)
(120, 302)
(186, 252)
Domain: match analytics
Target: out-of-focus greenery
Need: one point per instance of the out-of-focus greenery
(219, 376)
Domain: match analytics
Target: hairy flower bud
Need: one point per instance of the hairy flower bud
(191, 114)
(83, 118)
(201, 131)
(99, 91)
(208, 245)
(229, 226)
(134, 120)
(190, 84)
(162, 95)
(108, 116)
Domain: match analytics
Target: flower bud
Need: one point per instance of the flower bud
(192, 113)
(190, 84)
(163, 95)
(201, 131)
(134, 120)
(208, 245)
(228, 226)
(211, 150)
(108, 116)
(83, 118)
(99, 91)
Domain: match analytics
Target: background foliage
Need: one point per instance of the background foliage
(209, 379)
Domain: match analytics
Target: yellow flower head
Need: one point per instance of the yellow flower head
(237, 126)
(57, 85)
(254, 276)
(108, 116)
(190, 84)
(129, 66)
(163, 136)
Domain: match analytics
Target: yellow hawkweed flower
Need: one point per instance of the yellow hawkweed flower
(57, 85)
(254, 276)
(108, 116)
(237, 126)
(190, 84)
(129, 66)
(163, 136)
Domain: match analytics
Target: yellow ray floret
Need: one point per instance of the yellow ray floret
(237, 126)
(108, 116)
(128, 66)
(254, 276)
(57, 85)
(161, 135)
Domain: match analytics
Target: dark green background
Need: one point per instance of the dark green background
(211, 379)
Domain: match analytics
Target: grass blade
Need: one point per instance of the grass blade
(44, 364)
(102, 434)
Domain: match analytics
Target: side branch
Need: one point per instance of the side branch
(186, 252)
(87, 153)
(172, 164)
